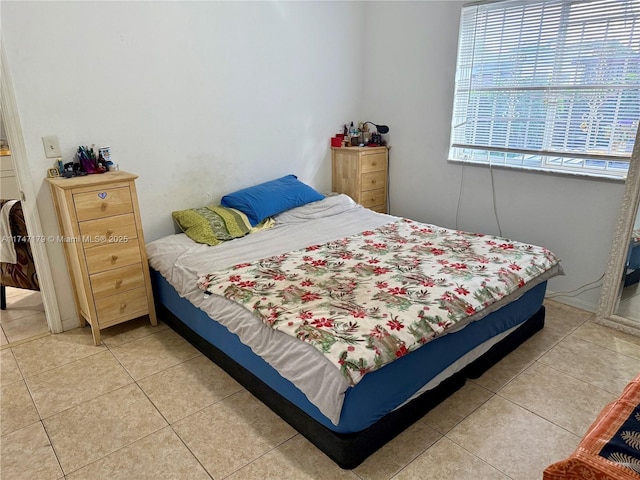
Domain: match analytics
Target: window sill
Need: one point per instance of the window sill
(582, 175)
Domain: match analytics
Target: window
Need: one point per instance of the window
(548, 85)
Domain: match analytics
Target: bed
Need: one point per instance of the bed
(248, 303)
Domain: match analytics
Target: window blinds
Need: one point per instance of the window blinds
(551, 84)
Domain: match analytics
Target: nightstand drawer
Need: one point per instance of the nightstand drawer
(119, 280)
(102, 203)
(373, 180)
(116, 229)
(126, 305)
(112, 255)
(373, 162)
(379, 208)
(372, 198)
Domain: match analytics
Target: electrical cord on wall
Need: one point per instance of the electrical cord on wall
(493, 196)
(571, 293)
(575, 292)
(460, 196)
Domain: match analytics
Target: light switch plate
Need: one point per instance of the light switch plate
(51, 147)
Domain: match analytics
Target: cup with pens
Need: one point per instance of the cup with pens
(89, 162)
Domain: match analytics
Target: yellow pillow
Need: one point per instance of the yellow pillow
(213, 225)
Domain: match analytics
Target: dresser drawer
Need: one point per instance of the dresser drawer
(126, 305)
(372, 198)
(379, 208)
(116, 229)
(102, 203)
(373, 180)
(112, 255)
(117, 280)
(373, 162)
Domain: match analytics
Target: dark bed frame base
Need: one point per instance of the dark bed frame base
(349, 450)
(632, 277)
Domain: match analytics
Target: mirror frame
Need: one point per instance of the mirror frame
(610, 292)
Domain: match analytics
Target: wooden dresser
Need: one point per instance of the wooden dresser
(100, 228)
(361, 173)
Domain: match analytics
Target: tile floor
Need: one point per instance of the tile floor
(24, 317)
(147, 405)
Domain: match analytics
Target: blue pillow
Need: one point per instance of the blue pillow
(270, 198)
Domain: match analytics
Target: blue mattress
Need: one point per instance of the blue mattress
(379, 392)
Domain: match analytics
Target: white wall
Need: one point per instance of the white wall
(410, 87)
(198, 98)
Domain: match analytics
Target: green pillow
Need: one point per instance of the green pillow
(213, 225)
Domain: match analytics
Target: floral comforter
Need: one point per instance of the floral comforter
(370, 298)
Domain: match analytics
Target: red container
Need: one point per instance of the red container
(336, 141)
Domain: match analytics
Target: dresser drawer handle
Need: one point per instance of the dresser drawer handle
(373, 164)
(123, 306)
(118, 283)
(103, 207)
(114, 258)
(373, 181)
(109, 232)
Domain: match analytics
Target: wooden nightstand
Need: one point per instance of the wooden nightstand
(104, 246)
(361, 173)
